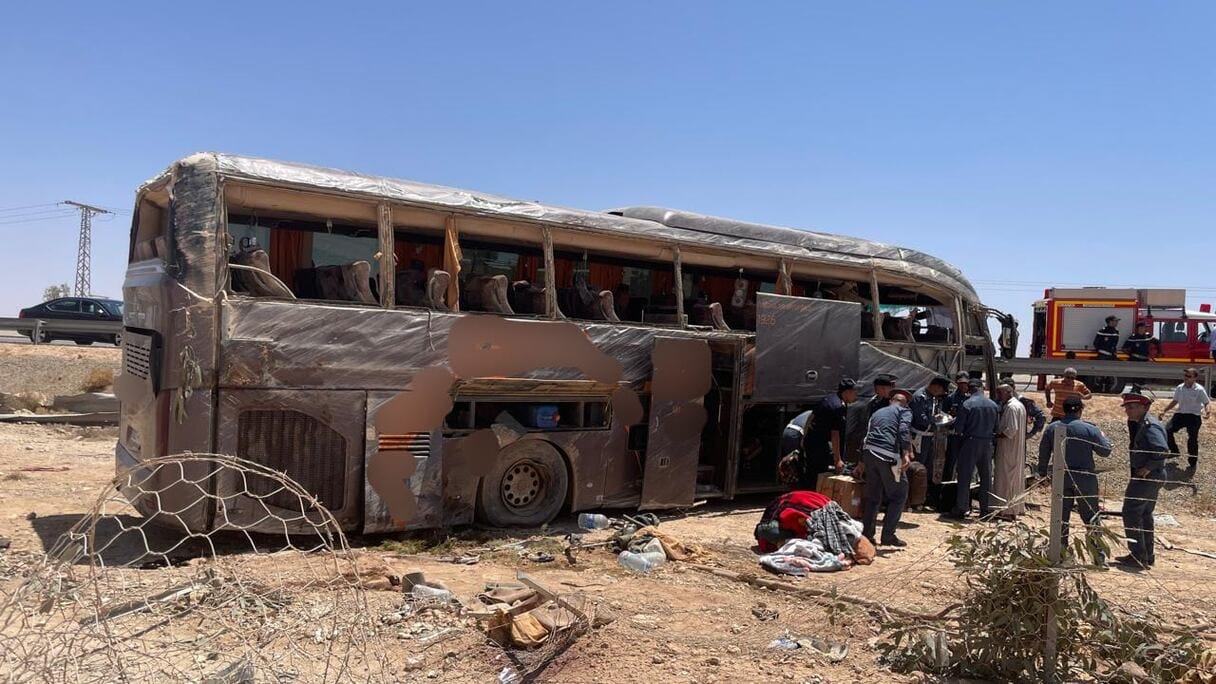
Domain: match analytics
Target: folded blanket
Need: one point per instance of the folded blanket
(802, 556)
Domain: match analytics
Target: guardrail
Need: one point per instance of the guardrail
(1115, 371)
(41, 327)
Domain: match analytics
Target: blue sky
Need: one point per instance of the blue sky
(1028, 143)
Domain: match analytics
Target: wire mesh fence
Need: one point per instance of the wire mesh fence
(124, 596)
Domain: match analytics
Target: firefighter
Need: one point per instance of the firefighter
(1138, 345)
(1106, 342)
(1148, 453)
(1081, 477)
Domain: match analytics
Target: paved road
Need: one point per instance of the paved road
(11, 337)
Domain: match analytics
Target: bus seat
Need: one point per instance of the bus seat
(494, 295)
(437, 283)
(715, 317)
(330, 283)
(411, 287)
(582, 289)
(527, 298)
(257, 284)
(356, 277)
(605, 309)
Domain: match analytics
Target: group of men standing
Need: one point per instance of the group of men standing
(898, 446)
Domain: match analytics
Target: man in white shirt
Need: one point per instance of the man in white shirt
(1191, 400)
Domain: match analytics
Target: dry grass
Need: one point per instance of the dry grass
(97, 380)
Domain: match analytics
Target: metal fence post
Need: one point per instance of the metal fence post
(1054, 551)
(37, 339)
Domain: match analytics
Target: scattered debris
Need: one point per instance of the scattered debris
(459, 560)
(763, 613)
(43, 469)
(1166, 520)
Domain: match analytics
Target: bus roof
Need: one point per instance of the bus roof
(683, 228)
(916, 262)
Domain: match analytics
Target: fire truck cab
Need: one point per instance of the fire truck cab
(1067, 319)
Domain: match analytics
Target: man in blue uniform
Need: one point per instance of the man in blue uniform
(1149, 450)
(884, 383)
(1035, 418)
(1106, 342)
(887, 453)
(976, 428)
(824, 443)
(1081, 478)
(925, 405)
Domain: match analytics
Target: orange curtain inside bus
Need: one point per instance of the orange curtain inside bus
(662, 282)
(605, 277)
(526, 267)
(563, 272)
(406, 252)
(290, 250)
(718, 289)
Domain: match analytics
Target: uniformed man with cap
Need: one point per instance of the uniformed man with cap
(976, 426)
(887, 455)
(1106, 342)
(1083, 440)
(953, 405)
(1139, 344)
(1148, 454)
(825, 439)
(884, 383)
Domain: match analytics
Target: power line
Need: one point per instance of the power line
(28, 206)
(84, 250)
(35, 220)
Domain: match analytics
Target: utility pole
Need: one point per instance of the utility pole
(84, 251)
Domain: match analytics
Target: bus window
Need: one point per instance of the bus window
(734, 292)
(639, 291)
(1205, 333)
(501, 278)
(315, 259)
(417, 254)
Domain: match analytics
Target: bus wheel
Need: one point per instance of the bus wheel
(525, 488)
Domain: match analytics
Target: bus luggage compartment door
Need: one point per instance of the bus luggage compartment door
(680, 379)
(804, 347)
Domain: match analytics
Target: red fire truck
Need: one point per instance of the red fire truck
(1067, 319)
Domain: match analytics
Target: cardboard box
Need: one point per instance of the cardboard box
(844, 490)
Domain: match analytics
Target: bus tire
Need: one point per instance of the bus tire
(526, 486)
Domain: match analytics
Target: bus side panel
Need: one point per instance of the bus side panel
(590, 454)
(316, 438)
(682, 376)
(426, 484)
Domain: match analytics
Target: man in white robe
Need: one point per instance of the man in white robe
(1009, 460)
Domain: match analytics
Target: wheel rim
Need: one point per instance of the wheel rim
(522, 485)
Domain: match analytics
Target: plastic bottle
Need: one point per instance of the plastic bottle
(423, 591)
(651, 557)
(593, 521)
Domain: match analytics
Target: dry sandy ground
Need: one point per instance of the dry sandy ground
(51, 368)
(676, 624)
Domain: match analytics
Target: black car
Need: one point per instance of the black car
(79, 309)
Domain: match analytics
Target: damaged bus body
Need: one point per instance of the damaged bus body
(418, 356)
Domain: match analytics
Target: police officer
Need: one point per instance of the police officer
(1106, 342)
(976, 427)
(790, 466)
(1149, 450)
(1137, 345)
(1081, 478)
(824, 443)
(887, 455)
(884, 383)
(1035, 418)
(953, 405)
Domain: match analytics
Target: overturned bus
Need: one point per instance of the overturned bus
(419, 356)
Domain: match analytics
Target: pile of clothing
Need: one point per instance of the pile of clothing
(804, 531)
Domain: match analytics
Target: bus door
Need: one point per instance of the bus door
(680, 379)
(804, 347)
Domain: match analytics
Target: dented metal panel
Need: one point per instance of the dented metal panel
(681, 380)
(804, 347)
